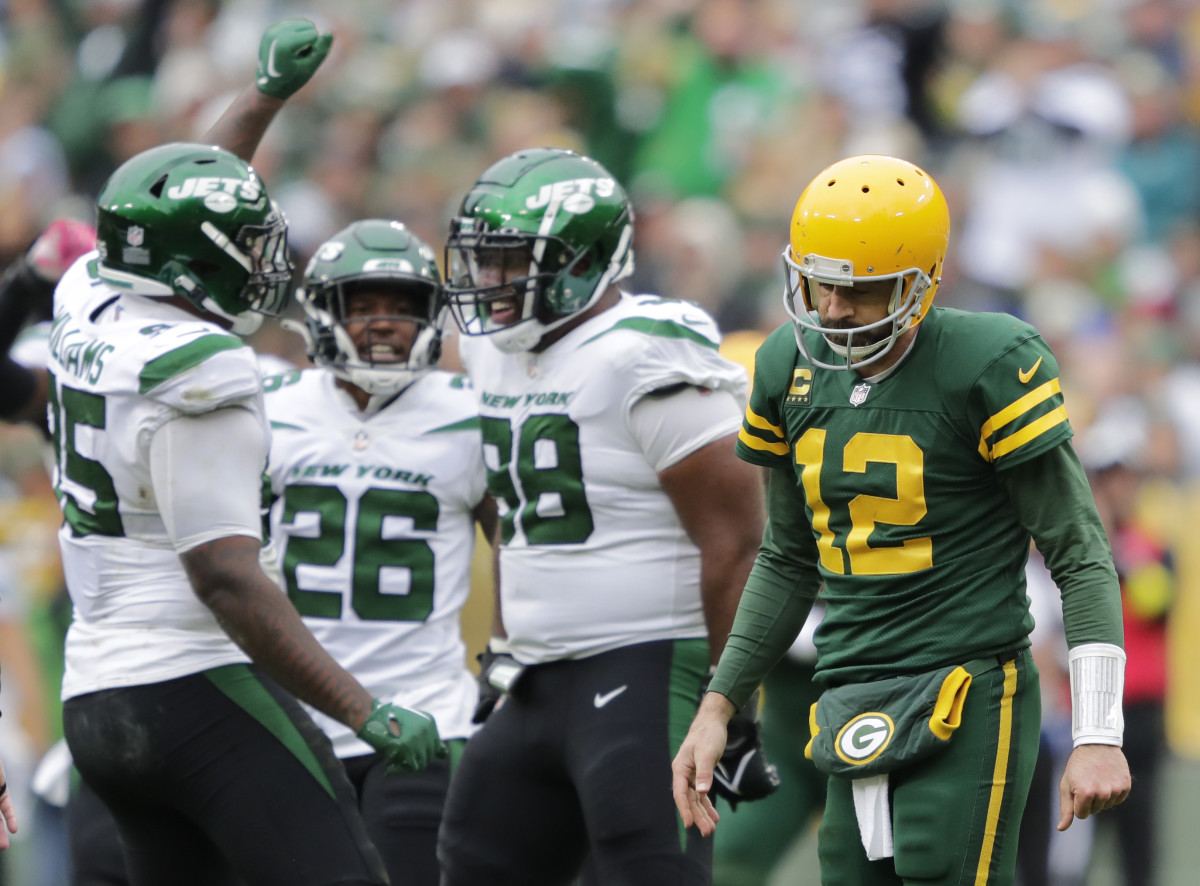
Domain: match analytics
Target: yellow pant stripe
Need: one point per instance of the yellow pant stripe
(999, 774)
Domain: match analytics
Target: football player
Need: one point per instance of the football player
(377, 481)
(913, 451)
(627, 527)
(182, 653)
(397, 445)
(183, 657)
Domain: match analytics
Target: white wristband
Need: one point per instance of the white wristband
(1097, 684)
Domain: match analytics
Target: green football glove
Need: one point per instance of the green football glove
(410, 746)
(288, 55)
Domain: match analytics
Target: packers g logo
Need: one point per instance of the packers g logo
(864, 738)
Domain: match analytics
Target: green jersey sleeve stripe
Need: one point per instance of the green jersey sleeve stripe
(756, 420)
(1030, 432)
(467, 424)
(661, 328)
(172, 363)
(762, 445)
(1015, 410)
(284, 426)
(754, 457)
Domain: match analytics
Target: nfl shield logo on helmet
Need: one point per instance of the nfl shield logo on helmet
(136, 235)
(859, 395)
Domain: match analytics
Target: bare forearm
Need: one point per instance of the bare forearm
(718, 499)
(497, 612)
(241, 128)
(264, 624)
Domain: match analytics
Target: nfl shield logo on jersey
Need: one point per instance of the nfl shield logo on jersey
(135, 236)
(859, 395)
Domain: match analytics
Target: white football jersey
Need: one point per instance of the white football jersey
(373, 530)
(593, 554)
(122, 366)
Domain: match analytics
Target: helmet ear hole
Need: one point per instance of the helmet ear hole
(583, 264)
(203, 268)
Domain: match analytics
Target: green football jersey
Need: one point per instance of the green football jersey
(920, 552)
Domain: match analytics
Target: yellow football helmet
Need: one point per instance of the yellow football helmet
(863, 219)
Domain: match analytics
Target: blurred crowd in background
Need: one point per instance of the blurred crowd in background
(1065, 133)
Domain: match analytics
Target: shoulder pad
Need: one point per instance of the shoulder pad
(201, 371)
(663, 318)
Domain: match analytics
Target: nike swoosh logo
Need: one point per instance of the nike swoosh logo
(1024, 375)
(601, 700)
(271, 71)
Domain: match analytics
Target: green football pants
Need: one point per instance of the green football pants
(956, 815)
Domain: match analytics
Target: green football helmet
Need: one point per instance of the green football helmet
(560, 230)
(195, 221)
(374, 254)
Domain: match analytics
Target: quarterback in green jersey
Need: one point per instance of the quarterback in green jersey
(913, 452)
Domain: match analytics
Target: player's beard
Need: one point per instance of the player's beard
(867, 339)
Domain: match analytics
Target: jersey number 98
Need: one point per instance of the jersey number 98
(539, 478)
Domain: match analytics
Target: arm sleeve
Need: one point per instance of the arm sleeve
(779, 593)
(207, 475)
(671, 426)
(17, 387)
(20, 291)
(1054, 502)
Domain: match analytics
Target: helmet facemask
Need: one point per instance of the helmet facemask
(373, 362)
(860, 345)
(512, 286)
(261, 250)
